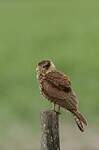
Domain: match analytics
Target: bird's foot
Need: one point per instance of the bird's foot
(58, 112)
(56, 108)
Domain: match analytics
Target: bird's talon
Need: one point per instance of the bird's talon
(59, 113)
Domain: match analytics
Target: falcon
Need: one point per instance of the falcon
(56, 87)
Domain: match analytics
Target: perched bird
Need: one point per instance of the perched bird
(56, 87)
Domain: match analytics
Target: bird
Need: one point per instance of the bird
(56, 87)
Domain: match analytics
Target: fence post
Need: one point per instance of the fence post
(50, 130)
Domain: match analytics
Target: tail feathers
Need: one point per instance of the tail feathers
(79, 124)
(79, 120)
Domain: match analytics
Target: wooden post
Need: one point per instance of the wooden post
(50, 131)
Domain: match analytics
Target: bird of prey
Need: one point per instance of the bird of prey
(56, 87)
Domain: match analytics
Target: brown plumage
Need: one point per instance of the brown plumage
(56, 87)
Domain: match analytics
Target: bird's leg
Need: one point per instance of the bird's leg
(56, 108)
(53, 107)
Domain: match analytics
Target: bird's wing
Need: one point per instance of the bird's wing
(58, 86)
(54, 94)
(59, 80)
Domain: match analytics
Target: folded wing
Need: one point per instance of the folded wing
(57, 87)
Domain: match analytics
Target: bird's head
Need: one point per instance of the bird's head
(45, 67)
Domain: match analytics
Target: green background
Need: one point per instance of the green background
(67, 32)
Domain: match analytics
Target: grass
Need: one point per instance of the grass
(66, 32)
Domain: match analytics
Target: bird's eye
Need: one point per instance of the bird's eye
(46, 66)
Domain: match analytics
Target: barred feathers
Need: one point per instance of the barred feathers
(80, 120)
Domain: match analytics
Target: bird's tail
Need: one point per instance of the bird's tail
(80, 120)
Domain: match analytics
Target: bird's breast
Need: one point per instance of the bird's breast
(43, 91)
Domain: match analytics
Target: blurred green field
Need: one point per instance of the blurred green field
(66, 32)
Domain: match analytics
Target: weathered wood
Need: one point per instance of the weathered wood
(50, 131)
